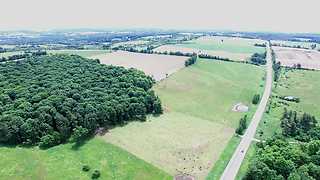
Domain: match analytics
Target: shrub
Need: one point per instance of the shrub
(242, 125)
(85, 168)
(96, 174)
(256, 99)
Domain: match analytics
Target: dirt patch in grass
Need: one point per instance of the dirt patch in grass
(239, 107)
(157, 66)
(290, 57)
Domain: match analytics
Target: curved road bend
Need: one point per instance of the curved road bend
(234, 164)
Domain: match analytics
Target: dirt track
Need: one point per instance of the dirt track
(234, 164)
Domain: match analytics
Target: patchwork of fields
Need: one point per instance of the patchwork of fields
(233, 48)
(157, 66)
(191, 135)
(290, 57)
(198, 121)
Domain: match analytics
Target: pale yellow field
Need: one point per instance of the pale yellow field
(136, 42)
(156, 66)
(309, 59)
(174, 142)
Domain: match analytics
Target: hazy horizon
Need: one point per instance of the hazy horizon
(246, 15)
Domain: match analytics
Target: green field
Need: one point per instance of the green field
(232, 45)
(6, 54)
(198, 121)
(299, 83)
(209, 89)
(84, 53)
(66, 161)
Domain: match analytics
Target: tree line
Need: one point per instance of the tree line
(47, 100)
(22, 56)
(260, 45)
(276, 66)
(207, 56)
(191, 60)
(292, 46)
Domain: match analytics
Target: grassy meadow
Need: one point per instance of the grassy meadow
(66, 162)
(224, 158)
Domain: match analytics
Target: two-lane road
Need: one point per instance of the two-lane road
(234, 164)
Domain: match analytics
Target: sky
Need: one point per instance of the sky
(242, 15)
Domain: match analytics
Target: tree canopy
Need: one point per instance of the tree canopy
(48, 99)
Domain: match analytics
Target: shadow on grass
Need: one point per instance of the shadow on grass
(78, 144)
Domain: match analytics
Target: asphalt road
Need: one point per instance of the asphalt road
(234, 164)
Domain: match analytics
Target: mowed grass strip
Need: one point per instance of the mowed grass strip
(198, 121)
(224, 159)
(66, 162)
(298, 83)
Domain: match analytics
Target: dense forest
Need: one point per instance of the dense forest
(49, 99)
(277, 158)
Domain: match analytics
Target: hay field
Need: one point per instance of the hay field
(233, 48)
(156, 66)
(309, 59)
(84, 53)
(198, 121)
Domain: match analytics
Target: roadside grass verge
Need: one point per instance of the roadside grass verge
(224, 158)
